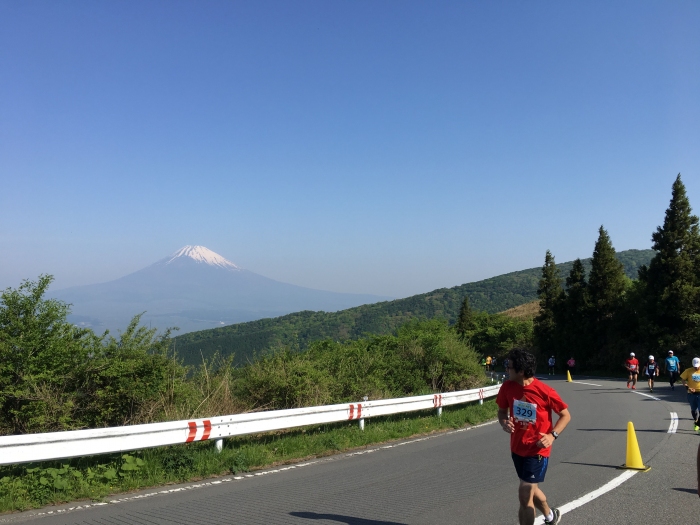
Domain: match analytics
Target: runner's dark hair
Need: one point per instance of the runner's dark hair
(522, 360)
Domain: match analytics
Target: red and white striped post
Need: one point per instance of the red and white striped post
(355, 412)
(437, 403)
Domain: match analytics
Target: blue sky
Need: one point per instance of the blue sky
(374, 147)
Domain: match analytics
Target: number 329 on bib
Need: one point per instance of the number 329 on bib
(525, 412)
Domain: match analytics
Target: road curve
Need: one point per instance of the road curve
(452, 478)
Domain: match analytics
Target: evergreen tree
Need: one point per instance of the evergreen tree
(672, 280)
(572, 321)
(550, 293)
(465, 321)
(606, 287)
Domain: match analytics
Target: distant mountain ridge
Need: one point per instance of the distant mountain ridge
(298, 329)
(195, 288)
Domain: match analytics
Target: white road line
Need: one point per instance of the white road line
(582, 383)
(616, 482)
(610, 485)
(646, 395)
(674, 423)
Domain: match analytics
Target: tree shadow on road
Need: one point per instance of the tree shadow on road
(349, 520)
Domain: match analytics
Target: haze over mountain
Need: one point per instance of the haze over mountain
(195, 289)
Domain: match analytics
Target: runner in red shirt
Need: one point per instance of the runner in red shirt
(632, 366)
(525, 406)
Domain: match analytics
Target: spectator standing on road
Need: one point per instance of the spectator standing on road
(672, 367)
(525, 406)
(550, 363)
(691, 380)
(632, 366)
(651, 370)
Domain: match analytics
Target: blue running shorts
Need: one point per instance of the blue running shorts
(530, 469)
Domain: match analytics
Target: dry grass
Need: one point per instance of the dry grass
(524, 311)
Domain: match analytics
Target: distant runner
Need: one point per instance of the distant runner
(488, 363)
(550, 363)
(691, 380)
(651, 370)
(525, 406)
(571, 364)
(672, 367)
(632, 366)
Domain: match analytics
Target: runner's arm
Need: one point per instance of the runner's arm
(547, 439)
(505, 421)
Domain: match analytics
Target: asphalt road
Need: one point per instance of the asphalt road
(452, 478)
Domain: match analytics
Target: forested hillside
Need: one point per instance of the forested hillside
(297, 330)
(598, 317)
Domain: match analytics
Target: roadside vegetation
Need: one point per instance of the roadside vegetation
(95, 478)
(55, 376)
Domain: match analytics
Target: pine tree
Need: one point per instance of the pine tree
(465, 321)
(606, 288)
(572, 322)
(672, 280)
(550, 293)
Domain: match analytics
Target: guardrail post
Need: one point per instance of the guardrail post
(437, 403)
(219, 444)
(362, 420)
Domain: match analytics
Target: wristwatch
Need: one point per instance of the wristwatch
(555, 434)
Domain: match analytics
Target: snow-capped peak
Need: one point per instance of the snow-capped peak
(203, 255)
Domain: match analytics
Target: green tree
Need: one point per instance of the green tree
(672, 279)
(40, 353)
(55, 376)
(550, 293)
(572, 319)
(606, 287)
(465, 320)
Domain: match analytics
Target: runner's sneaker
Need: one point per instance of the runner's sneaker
(634, 387)
(651, 390)
(696, 428)
(628, 385)
(555, 518)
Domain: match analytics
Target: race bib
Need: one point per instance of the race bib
(524, 412)
(632, 367)
(696, 378)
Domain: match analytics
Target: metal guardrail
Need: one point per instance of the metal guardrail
(77, 443)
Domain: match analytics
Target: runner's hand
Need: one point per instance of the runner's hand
(545, 441)
(509, 426)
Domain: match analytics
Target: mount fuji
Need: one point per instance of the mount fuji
(195, 289)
